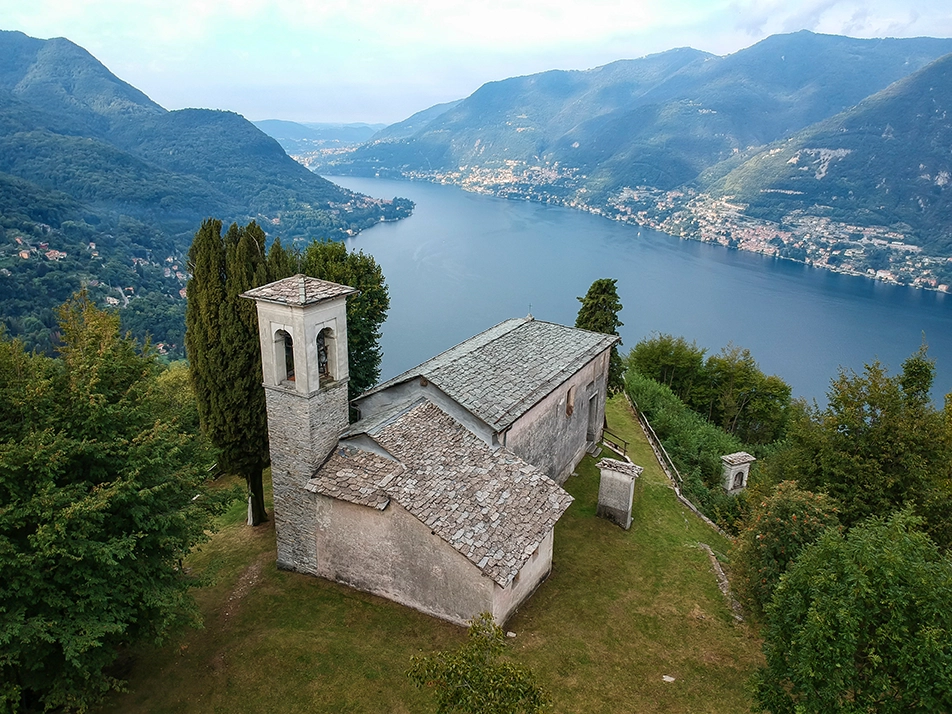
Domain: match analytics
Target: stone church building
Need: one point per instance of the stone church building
(444, 495)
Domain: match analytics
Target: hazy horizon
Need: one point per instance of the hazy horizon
(379, 61)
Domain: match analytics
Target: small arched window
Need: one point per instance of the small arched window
(284, 356)
(325, 355)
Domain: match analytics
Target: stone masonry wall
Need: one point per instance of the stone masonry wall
(302, 431)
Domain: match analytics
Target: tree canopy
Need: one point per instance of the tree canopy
(101, 496)
(778, 529)
(878, 446)
(474, 679)
(729, 389)
(222, 335)
(599, 313)
(861, 623)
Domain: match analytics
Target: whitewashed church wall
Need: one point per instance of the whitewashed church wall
(508, 599)
(392, 554)
(550, 438)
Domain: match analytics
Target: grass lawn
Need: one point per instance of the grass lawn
(619, 611)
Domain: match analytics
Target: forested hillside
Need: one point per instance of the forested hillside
(883, 161)
(102, 187)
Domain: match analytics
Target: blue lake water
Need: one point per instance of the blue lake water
(464, 262)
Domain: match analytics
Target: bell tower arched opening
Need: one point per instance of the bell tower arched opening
(326, 356)
(283, 356)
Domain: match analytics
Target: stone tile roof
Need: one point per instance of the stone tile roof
(298, 290)
(622, 467)
(355, 475)
(488, 504)
(501, 373)
(738, 458)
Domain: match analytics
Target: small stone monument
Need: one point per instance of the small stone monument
(616, 488)
(736, 471)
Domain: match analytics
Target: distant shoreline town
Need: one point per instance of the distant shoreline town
(876, 252)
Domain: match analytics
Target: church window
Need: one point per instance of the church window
(570, 402)
(284, 356)
(326, 353)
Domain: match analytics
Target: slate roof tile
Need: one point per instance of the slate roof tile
(488, 504)
(298, 290)
(501, 373)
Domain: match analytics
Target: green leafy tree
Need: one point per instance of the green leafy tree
(98, 505)
(221, 340)
(670, 361)
(474, 679)
(880, 445)
(861, 623)
(366, 311)
(778, 529)
(599, 313)
(728, 389)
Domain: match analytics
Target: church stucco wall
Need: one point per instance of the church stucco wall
(302, 432)
(507, 600)
(553, 440)
(392, 554)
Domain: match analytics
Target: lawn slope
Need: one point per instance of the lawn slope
(620, 611)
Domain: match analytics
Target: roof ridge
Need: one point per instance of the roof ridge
(419, 369)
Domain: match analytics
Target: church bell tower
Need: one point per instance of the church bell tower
(302, 330)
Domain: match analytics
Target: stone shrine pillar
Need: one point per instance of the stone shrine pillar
(736, 471)
(616, 489)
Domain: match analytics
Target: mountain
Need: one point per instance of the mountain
(411, 125)
(305, 137)
(658, 121)
(102, 187)
(885, 161)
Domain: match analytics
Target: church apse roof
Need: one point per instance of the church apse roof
(488, 504)
(501, 373)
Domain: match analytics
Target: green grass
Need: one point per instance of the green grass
(620, 611)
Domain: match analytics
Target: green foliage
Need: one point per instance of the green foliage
(599, 313)
(861, 623)
(101, 496)
(778, 529)
(366, 311)
(474, 679)
(877, 447)
(728, 389)
(694, 445)
(670, 361)
(222, 342)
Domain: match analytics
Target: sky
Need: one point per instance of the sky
(379, 61)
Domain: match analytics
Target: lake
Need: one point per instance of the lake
(464, 262)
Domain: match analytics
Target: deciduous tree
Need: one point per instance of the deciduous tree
(877, 447)
(778, 529)
(101, 496)
(861, 623)
(475, 679)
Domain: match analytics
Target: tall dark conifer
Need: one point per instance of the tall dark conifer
(599, 313)
(222, 343)
(222, 335)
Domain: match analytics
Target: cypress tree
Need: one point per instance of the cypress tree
(222, 343)
(599, 313)
(222, 335)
